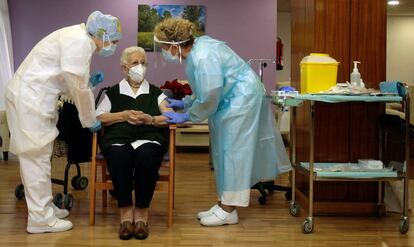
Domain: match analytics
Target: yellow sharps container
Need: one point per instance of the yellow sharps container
(318, 72)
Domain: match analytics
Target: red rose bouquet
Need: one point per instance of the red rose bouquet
(179, 90)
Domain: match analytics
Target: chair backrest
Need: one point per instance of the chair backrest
(411, 96)
(400, 89)
(165, 181)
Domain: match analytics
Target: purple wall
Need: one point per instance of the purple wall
(248, 27)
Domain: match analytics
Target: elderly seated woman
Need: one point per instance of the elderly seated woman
(133, 144)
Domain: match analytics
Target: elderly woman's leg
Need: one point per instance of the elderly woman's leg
(120, 162)
(148, 161)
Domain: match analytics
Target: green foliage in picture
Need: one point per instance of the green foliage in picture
(150, 15)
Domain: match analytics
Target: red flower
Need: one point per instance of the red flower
(179, 90)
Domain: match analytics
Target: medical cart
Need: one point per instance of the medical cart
(309, 168)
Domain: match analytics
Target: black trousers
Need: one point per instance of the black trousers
(134, 169)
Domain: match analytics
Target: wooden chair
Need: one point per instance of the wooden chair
(165, 182)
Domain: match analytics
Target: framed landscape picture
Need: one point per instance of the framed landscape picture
(150, 15)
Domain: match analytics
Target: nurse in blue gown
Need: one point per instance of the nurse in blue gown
(246, 147)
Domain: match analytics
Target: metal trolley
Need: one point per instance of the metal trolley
(78, 182)
(308, 224)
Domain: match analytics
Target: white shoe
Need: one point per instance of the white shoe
(208, 212)
(58, 226)
(220, 217)
(60, 213)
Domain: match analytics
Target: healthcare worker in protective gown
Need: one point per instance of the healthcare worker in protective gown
(246, 147)
(57, 65)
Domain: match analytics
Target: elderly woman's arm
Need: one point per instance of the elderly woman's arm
(161, 120)
(129, 116)
(104, 114)
(157, 120)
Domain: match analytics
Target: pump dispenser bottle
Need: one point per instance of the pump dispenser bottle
(355, 75)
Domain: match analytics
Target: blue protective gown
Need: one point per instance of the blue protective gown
(246, 147)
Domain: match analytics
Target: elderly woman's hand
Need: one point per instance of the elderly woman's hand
(146, 119)
(131, 116)
(139, 117)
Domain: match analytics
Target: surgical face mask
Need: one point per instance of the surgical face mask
(170, 58)
(107, 51)
(167, 54)
(137, 73)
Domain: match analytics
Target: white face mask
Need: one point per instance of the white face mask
(137, 73)
(170, 58)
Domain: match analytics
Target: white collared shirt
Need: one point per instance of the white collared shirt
(125, 89)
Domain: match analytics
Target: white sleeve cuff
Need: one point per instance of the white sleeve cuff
(104, 106)
(161, 98)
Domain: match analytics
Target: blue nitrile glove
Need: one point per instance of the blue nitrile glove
(97, 78)
(176, 117)
(287, 89)
(97, 125)
(176, 104)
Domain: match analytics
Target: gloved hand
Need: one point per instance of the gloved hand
(96, 126)
(97, 78)
(176, 104)
(176, 117)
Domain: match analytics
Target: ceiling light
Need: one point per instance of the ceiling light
(393, 2)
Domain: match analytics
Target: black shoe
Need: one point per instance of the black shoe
(126, 230)
(141, 230)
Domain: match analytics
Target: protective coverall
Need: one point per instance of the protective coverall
(58, 64)
(246, 147)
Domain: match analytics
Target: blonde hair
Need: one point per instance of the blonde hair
(175, 30)
(128, 51)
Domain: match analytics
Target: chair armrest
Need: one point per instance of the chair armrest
(395, 113)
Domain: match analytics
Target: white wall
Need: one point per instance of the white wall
(284, 32)
(400, 48)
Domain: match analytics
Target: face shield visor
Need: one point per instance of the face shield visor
(159, 44)
(165, 48)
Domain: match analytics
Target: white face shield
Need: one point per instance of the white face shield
(157, 43)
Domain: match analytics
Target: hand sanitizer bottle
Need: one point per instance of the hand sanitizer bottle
(355, 75)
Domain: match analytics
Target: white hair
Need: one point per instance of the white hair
(128, 51)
